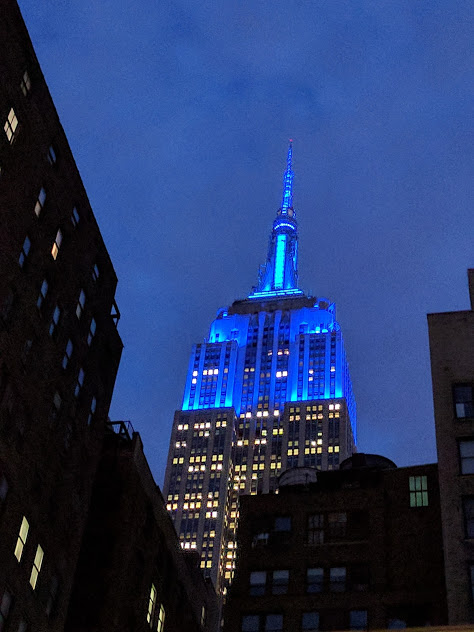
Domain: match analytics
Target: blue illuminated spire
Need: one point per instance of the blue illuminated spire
(287, 201)
(279, 275)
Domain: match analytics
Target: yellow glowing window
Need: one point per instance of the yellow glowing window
(161, 619)
(151, 605)
(22, 537)
(57, 244)
(37, 563)
(10, 126)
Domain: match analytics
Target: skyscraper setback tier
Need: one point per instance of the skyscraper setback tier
(269, 390)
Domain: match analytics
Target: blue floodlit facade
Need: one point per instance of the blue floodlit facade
(260, 359)
(268, 390)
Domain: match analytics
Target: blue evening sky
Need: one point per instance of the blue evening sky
(178, 114)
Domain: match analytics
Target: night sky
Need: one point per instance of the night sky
(178, 114)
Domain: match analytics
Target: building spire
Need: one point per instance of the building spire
(287, 201)
(279, 275)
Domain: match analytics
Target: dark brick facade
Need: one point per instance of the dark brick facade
(452, 370)
(130, 544)
(58, 360)
(343, 550)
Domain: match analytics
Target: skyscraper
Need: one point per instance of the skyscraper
(268, 390)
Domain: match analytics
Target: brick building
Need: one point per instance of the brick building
(132, 573)
(359, 548)
(59, 345)
(452, 368)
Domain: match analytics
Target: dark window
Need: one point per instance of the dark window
(250, 623)
(54, 320)
(5, 605)
(359, 577)
(42, 294)
(468, 510)
(337, 579)
(273, 623)
(75, 217)
(25, 249)
(314, 580)
(463, 395)
(262, 623)
(316, 529)
(358, 619)
(280, 582)
(337, 526)
(282, 523)
(310, 621)
(466, 455)
(258, 580)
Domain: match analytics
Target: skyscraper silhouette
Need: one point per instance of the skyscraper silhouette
(268, 390)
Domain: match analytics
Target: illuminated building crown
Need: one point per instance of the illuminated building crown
(279, 275)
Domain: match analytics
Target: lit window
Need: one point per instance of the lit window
(5, 605)
(75, 217)
(40, 202)
(468, 510)
(25, 249)
(35, 571)
(67, 353)
(54, 320)
(310, 621)
(91, 334)
(314, 580)
(92, 410)
(418, 491)
(25, 83)
(79, 382)
(151, 605)
(95, 273)
(161, 619)
(22, 537)
(11, 126)
(81, 301)
(57, 244)
(358, 620)
(337, 579)
(463, 395)
(466, 455)
(51, 155)
(42, 294)
(258, 580)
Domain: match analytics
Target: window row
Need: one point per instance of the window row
(310, 621)
(318, 580)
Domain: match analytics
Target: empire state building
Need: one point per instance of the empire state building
(268, 390)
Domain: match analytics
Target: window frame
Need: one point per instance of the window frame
(22, 538)
(36, 568)
(462, 459)
(460, 402)
(11, 126)
(468, 516)
(25, 251)
(418, 497)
